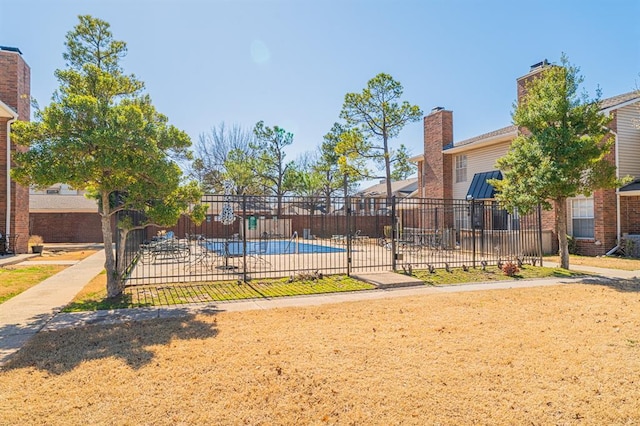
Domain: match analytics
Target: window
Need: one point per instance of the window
(582, 217)
(461, 168)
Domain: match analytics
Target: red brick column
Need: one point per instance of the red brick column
(15, 91)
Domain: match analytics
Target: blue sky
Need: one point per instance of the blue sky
(290, 62)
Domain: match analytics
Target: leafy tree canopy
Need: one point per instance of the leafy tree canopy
(100, 133)
(278, 175)
(379, 116)
(224, 154)
(562, 149)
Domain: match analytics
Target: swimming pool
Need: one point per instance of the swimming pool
(270, 247)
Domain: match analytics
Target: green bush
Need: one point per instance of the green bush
(572, 245)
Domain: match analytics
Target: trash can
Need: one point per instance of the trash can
(306, 233)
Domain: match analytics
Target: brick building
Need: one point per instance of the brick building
(460, 169)
(61, 214)
(15, 99)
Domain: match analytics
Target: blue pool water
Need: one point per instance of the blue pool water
(270, 247)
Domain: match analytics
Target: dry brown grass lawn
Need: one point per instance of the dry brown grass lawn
(612, 262)
(567, 354)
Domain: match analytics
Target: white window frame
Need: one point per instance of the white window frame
(461, 168)
(581, 209)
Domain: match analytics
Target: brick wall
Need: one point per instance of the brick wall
(67, 227)
(15, 91)
(605, 213)
(548, 221)
(630, 215)
(605, 221)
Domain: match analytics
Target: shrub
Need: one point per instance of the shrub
(35, 240)
(572, 245)
(510, 269)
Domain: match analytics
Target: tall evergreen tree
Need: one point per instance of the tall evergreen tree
(379, 117)
(102, 134)
(561, 151)
(271, 166)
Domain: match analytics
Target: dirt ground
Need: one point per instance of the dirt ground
(567, 354)
(63, 255)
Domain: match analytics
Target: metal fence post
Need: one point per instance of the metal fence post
(244, 238)
(394, 234)
(347, 207)
(540, 233)
(117, 258)
(473, 232)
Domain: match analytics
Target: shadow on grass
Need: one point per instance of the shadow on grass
(626, 285)
(58, 352)
(564, 273)
(123, 301)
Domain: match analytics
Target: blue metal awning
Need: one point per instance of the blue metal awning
(480, 189)
(633, 186)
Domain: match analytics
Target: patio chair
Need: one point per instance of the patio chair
(203, 257)
(255, 256)
(360, 239)
(339, 239)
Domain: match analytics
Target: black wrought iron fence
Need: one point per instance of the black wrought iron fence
(313, 235)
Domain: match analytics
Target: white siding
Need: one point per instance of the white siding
(478, 161)
(629, 140)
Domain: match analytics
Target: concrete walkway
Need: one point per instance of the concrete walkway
(27, 313)
(39, 307)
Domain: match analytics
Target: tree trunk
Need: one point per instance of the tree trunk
(387, 168)
(114, 286)
(327, 204)
(560, 205)
(121, 248)
(279, 204)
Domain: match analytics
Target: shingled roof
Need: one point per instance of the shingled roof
(605, 104)
(58, 203)
(401, 187)
(615, 101)
(500, 132)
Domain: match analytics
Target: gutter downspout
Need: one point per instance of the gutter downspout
(8, 215)
(618, 227)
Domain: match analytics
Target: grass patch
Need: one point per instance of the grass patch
(610, 262)
(93, 296)
(492, 273)
(15, 279)
(557, 355)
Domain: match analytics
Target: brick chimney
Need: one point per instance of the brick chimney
(534, 72)
(437, 181)
(15, 92)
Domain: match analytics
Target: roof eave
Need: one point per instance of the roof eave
(7, 112)
(620, 105)
(482, 143)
